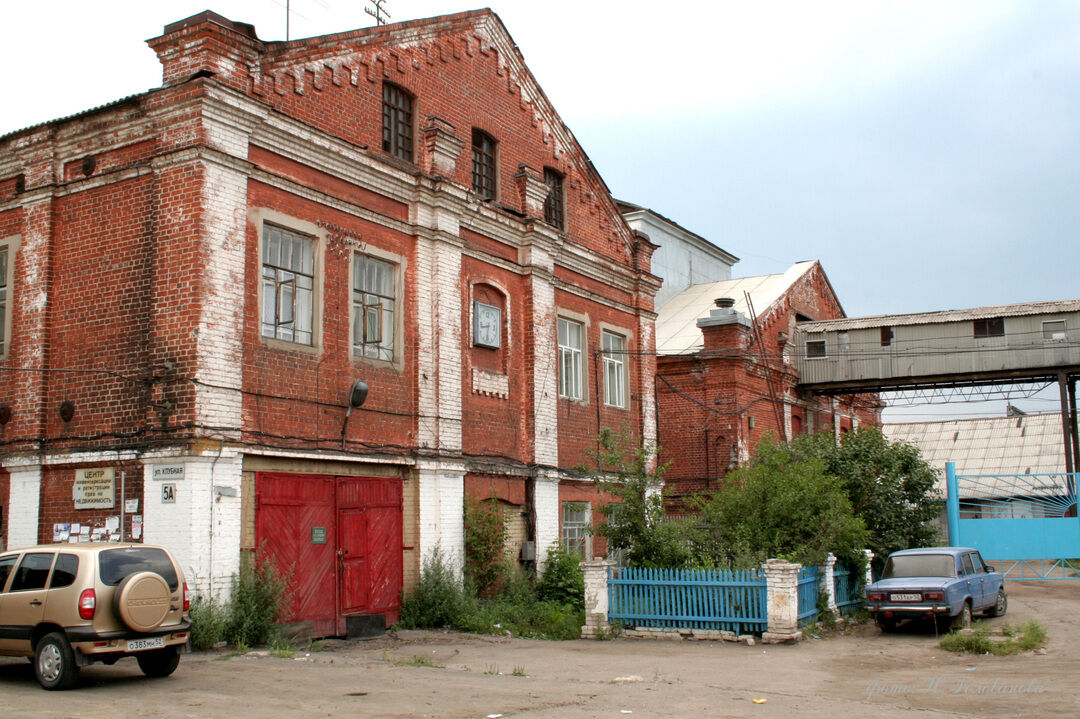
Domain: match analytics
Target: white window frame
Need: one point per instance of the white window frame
(1055, 336)
(303, 280)
(571, 360)
(576, 535)
(9, 247)
(367, 302)
(818, 338)
(616, 375)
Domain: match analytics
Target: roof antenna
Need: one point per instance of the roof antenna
(379, 12)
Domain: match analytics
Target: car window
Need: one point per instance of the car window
(115, 564)
(919, 565)
(966, 561)
(32, 572)
(67, 566)
(980, 565)
(6, 563)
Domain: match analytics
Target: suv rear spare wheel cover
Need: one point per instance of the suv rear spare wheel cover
(142, 601)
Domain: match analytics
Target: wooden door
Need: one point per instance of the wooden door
(372, 508)
(295, 525)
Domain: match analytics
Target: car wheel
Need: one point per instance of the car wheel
(1000, 606)
(963, 619)
(158, 662)
(54, 662)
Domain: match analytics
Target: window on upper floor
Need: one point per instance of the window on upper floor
(576, 522)
(374, 304)
(615, 374)
(990, 327)
(397, 123)
(815, 346)
(483, 164)
(288, 285)
(1054, 330)
(553, 205)
(571, 346)
(886, 336)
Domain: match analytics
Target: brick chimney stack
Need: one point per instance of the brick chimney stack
(208, 43)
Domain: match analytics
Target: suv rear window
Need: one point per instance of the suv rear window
(115, 564)
(64, 571)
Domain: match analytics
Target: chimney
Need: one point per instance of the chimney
(207, 44)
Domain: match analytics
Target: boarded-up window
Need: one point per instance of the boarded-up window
(991, 327)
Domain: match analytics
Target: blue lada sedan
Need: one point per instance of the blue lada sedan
(944, 584)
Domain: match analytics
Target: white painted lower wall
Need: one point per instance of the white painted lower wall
(24, 505)
(546, 501)
(442, 510)
(202, 526)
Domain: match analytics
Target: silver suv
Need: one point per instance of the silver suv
(69, 605)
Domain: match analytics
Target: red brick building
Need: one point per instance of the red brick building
(725, 381)
(194, 278)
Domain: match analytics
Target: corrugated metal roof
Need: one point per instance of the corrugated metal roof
(926, 318)
(1030, 444)
(75, 116)
(676, 322)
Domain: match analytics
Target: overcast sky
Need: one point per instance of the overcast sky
(927, 153)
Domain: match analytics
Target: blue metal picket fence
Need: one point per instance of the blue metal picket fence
(847, 589)
(809, 583)
(711, 599)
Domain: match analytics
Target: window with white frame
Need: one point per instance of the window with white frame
(374, 303)
(1054, 330)
(288, 285)
(571, 345)
(614, 355)
(576, 522)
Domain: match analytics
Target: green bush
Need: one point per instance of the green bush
(438, 600)
(261, 597)
(485, 537)
(209, 619)
(562, 582)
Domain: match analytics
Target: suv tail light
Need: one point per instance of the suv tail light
(187, 597)
(87, 604)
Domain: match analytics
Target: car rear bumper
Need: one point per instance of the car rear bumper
(88, 641)
(906, 611)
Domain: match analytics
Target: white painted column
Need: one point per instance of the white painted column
(828, 579)
(442, 511)
(545, 379)
(596, 598)
(546, 503)
(24, 506)
(782, 591)
(201, 526)
(647, 383)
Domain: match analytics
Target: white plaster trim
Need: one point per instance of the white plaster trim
(24, 506)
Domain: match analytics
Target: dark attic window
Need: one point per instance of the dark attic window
(886, 336)
(483, 164)
(990, 327)
(553, 205)
(397, 131)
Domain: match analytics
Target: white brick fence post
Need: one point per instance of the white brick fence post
(828, 579)
(596, 598)
(869, 574)
(782, 601)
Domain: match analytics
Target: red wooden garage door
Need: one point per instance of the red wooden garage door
(341, 537)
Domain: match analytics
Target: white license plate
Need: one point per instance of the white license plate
(137, 645)
(905, 597)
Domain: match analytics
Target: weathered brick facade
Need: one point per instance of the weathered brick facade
(716, 404)
(137, 233)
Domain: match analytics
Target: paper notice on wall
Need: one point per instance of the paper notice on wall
(112, 523)
(98, 534)
(61, 532)
(131, 506)
(73, 539)
(76, 528)
(84, 530)
(136, 530)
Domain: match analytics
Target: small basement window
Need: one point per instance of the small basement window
(1054, 330)
(815, 348)
(990, 327)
